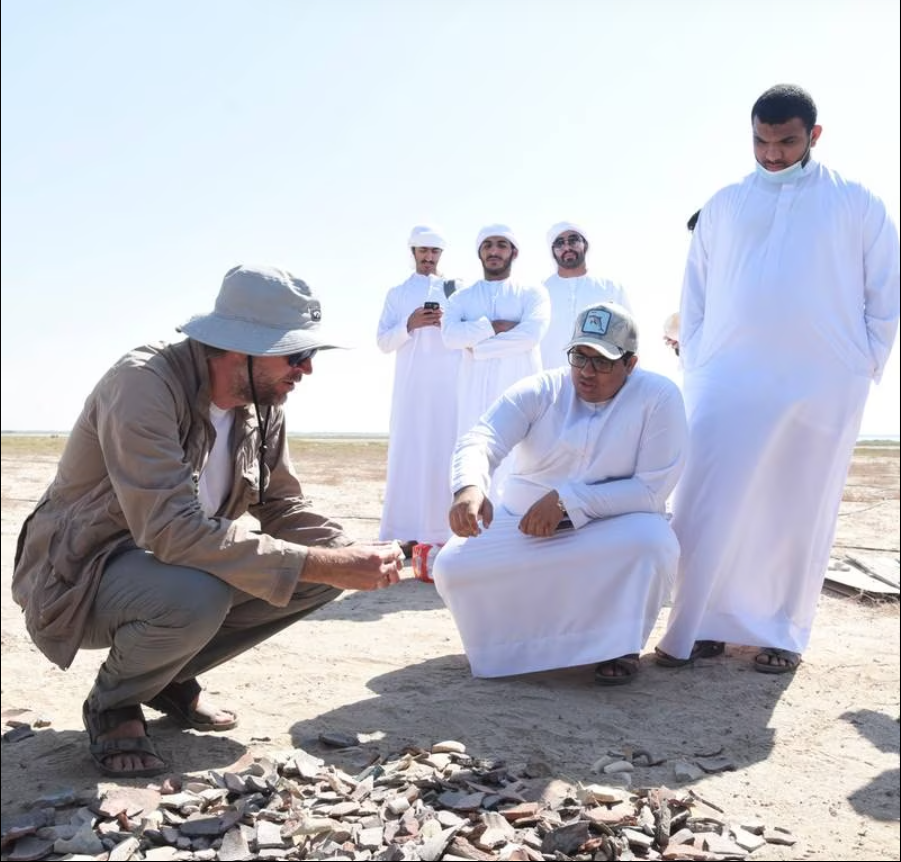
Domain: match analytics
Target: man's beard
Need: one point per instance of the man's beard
(497, 269)
(267, 394)
(576, 263)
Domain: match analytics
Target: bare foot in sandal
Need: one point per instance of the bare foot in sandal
(617, 671)
(210, 716)
(184, 703)
(120, 746)
(775, 660)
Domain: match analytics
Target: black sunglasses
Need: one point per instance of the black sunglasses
(572, 240)
(297, 359)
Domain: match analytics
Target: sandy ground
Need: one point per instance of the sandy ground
(816, 753)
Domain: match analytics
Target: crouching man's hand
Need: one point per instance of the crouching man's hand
(469, 507)
(543, 516)
(355, 567)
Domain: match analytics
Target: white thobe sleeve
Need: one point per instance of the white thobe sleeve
(481, 449)
(694, 291)
(456, 331)
(660, 457)
(392, 332)
(881, 283)
(536, 318)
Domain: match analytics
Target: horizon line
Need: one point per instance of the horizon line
(868, 436)
(49, 433)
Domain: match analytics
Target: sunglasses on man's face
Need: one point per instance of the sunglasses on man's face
(295, 360)
(572, 241)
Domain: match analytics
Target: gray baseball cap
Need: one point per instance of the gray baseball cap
(606, 327)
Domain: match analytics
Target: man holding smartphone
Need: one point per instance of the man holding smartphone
(423, 410)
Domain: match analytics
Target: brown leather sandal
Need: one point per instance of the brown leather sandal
(176, 700)
(763, 661)
(627, 665)
(98, 723)
(700, 649)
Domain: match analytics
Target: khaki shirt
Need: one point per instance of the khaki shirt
(128, 479)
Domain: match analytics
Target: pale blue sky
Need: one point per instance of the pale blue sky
(147, 147)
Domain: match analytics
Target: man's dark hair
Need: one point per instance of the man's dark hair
(693, 220)
(784, 102)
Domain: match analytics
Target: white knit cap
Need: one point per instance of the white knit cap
(426, 236)
(496, 230)
(562, 227)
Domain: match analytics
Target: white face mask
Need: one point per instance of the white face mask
(786, 175)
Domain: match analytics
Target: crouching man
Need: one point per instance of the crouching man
(138, 547)
(575, 565)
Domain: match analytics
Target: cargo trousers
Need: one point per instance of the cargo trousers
(165, 623)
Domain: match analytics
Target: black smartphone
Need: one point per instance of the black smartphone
(431, 306)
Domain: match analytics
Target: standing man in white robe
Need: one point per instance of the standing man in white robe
(498, 324)
(789, 311)
(571, 289)
(423, 425)
(576, 563)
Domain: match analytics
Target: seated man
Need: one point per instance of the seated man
(580, 558)
(137, 545)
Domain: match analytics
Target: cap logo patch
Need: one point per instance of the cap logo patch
(596, 322)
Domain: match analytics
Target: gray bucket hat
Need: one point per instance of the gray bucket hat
(606, 327)
(261, 311)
